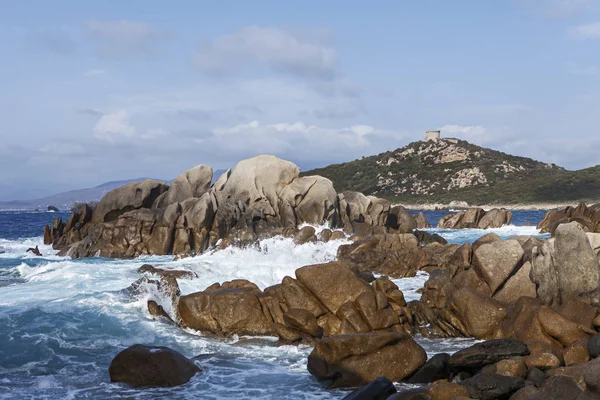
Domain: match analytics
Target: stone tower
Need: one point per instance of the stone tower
(432, 135)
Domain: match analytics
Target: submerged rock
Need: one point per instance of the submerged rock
(152, 366)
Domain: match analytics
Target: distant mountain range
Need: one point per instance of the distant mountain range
(445, 170)
(64, 201)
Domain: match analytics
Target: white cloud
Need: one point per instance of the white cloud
(587, 31)
(94, 72)
(281, 50)
(301, 141)
(122, 39)
(113, 126)
(495, 137)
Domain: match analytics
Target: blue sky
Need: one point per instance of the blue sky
(99, 91)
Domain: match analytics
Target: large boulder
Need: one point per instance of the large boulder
(400, 220)
(127, 198)
(333, 284)
(226, 311)
(310, 199)
(567, 268)
(192, 183)
(355, 360)
(496, 262)
(141, 365)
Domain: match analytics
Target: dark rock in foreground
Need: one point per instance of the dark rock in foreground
(489, 352)
(379, 389)
(141, 366)
(355, 360)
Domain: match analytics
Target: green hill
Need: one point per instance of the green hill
(444, 170)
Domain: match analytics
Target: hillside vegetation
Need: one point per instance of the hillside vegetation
(445, 170)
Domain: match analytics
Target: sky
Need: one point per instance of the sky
(98, 91)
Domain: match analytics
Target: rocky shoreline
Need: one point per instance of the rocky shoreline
(535, 301)
(461, 205)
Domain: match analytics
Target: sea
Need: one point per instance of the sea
(62, 321)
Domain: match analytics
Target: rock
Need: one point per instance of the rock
(558, 387)
(434, 369)
(399, 219)
(486, 353)
(446, 391)
(584, 215)
(576, 352)
(52, 208)
(305, 235)
(524, 394)
(485, 239)
(178, 274)
(476, 218)
(357, 209)
(594, 346)
(337, 235)
(414, 394)
(591, 377)
(491, 387)
(141, 365)
(192, 183)
(355, 360)
(543, 361)
(514, 366)
(421, 221)
(537, 376)
(301, 320)
(225, 311)
(325, 235)
(579, 312)
(567, 268)
(127, 198)
(481, 315)
(495, 218)
(379, 389)
(35, 250)
(517, 285)
(313, 200)
(495, 262)
(333, 284)
(157, 310)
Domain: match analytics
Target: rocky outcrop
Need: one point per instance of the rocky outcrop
(262, 196)
(476, 218)
(324, 300)
(355, 360)
(151, 366)
(587, 216)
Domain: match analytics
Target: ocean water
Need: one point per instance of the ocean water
(62, 321)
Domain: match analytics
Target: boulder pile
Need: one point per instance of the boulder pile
(476, 218)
